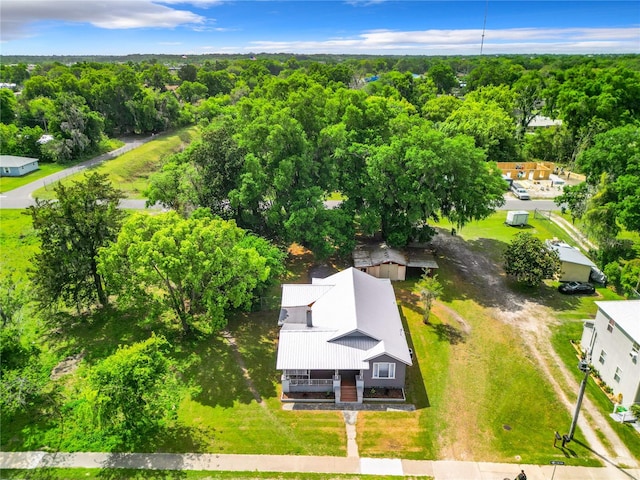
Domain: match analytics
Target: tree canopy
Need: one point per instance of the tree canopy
(529, 261)
(200, 267)
(84, 218)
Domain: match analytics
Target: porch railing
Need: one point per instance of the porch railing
(310, 381)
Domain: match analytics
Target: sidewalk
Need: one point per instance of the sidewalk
(440, 470)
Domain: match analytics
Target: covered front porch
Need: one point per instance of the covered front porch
(346, 386)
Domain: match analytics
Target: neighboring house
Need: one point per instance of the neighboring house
(540, 121)
(613, 342)
(12, 166)
(526, 170)
(381, 261)
(341, 334)
(575, 266)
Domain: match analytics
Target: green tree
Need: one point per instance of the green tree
(574, 198)
(8, 106)
(443, 76)
(423, 174)
(529, 261)
(612, 165)
(188, 73)
(429, 289)
(200, 267)
(84, 218)
(134, 392)
(630, 278)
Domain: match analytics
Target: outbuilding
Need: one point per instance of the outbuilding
(13, 166)
(382, 261)
(576, 267)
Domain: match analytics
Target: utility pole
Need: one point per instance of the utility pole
(484, 25)
(584, 367)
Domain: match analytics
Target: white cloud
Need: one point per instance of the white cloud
(512, 40)
(20, 16)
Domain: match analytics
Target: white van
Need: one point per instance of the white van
(519, 191)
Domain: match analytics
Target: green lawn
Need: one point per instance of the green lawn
(18, 241)
(467, 403)
(9, 183)
(126, 474)
(130, 171)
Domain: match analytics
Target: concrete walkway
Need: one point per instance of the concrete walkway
(440, 470)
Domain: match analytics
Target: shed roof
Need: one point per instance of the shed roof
(570, 254)
(354, 320)
(376, 254)
(15, 161)
(625, 314)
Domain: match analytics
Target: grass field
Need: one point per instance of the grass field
(478, 394)
(9, 183)
(130, 172)
(126, 474)
(18, 242)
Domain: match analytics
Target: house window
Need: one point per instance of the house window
(635, 351)
(603, 356)
(384, 370)
(611, 325)
(617, 375)
(298, 374)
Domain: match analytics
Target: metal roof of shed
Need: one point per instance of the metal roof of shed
(15, 161)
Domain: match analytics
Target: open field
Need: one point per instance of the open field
(130, 172)
(478, 392)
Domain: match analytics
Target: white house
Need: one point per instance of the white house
(13, 166)
(613, 341)
(340, 335)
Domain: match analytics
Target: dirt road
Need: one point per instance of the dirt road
(533, 321)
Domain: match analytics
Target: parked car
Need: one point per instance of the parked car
(571, 288)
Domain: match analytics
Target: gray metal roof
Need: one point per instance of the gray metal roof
(14, 161)
(570, 254)
(354, 320)
(626, 315)
(419, 257)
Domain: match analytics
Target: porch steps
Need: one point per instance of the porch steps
(348, 392)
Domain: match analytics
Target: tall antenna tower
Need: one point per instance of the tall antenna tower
(484, 25)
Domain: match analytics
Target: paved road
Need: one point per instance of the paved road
(21, 196)
(440, 470)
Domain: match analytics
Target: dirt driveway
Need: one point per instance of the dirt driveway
(533, 320)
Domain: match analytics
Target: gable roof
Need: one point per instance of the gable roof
(569, 254)
(355, 319)
(625, 314)
(15, 161)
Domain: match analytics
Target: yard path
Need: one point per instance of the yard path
(532, 321)
(226, 334)
(583, 242)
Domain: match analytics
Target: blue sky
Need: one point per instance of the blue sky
(118, 27)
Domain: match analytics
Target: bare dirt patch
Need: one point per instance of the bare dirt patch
(533, 321)
(66, 366)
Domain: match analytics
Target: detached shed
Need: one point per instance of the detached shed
(13, 166)
(382, 261)
(576, 267)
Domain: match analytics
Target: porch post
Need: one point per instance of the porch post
(336, 386)
(285, 383)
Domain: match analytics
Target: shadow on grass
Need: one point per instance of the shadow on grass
(604, 459)
(474, 269)
(415, 383)
(448, 333)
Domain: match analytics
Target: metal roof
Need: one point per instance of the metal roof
(302, 294)
(14, 161)
(376, 254)
(571, 255)
(354, 320)
(626, 315)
